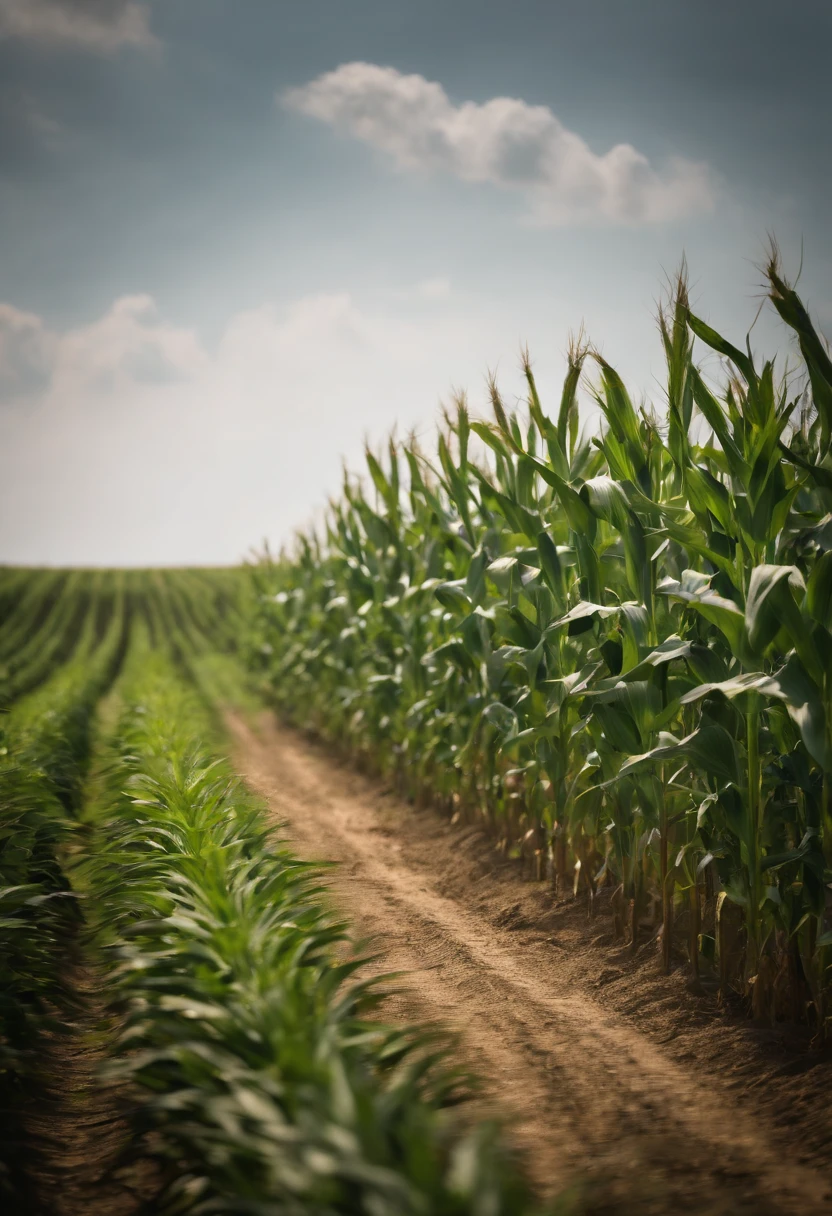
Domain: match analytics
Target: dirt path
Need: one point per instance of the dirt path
(75, 1126)
(590, 1092)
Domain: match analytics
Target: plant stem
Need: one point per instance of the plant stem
(752, 743)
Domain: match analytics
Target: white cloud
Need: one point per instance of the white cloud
(131, 440)
(26, 354)
(125, 348)
(144, 444)
(100, 26)
(506, 142)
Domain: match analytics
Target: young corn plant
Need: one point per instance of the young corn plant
(44, 751)
(263, 1083)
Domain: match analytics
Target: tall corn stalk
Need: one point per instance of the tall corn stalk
(613, 648)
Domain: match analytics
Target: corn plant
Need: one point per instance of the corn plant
(263, 1085)
(44, 750)
(613, 649)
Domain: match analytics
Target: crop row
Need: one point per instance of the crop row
(615, 648)
(262, 1084)
(254, 1073)
(32, 595)
(66, 636)
(46, 742)
(46, 617)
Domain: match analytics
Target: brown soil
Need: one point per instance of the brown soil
(75, 1127)
(611, 1072)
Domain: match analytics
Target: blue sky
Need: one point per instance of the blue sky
(238, 239)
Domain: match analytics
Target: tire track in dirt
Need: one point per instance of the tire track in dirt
(589, 1096)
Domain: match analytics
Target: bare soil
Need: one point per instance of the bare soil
(75, 1125)
(611, 1073)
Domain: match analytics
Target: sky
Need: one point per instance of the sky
(239, 239)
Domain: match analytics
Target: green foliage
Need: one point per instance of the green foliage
(44, 749)
(619, 645)
(264, 1085)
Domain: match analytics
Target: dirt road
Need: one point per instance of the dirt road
(641, 1100)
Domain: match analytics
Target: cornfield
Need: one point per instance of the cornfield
(613, 649)
(250, 1067)
(608, 649)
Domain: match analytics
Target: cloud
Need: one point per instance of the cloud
(125, 348)
(137, 442)
(100, 26)
(506, 142)
(132, 440)
(26, 354)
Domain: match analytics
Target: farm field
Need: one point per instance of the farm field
(559, 707)
(606, 650)
(179, 1032)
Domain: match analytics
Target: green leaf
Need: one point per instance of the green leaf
(619, 728)
(583, 611)
(550, 564)
(454, 652)
(819, 591)
(787, 302)
(607, 500)
(667, 652)
(715, 608)
(501, 717)
(769, 605)
(581, 519)
(722, 347)
(709, 748)
(453, 597)
(735, 686)
(793, 685)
